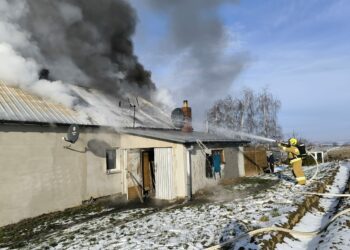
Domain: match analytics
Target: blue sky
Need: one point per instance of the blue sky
(299, 49)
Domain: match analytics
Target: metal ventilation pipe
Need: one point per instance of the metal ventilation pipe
(187, 112)
(189, 172)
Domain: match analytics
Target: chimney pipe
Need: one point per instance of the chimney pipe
(44, 74)
(187, 111)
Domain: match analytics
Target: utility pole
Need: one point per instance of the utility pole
(134, 106)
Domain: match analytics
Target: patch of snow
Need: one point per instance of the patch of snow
(315, 219)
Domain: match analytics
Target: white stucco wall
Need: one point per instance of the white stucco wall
(38, 175)
(232, 168)
(241, 162)
(199, 179)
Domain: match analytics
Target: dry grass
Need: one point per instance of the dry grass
(341, 153)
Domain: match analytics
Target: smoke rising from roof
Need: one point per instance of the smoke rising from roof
(86, 42)
(197, 32)
(80, 42)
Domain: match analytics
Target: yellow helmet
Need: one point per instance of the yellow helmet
(293, 141)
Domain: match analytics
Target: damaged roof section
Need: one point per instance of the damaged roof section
(92, 109)
(177, 136)
(19, 106)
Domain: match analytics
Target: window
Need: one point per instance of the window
(111, 161)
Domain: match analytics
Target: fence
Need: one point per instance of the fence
(255, 160)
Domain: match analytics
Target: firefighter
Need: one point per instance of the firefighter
(294, 159)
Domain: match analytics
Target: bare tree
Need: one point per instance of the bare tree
(267, 109)
(249, 112)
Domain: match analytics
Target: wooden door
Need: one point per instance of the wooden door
(147, 179)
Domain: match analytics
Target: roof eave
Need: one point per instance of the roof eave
(48, 123)
(188, 142)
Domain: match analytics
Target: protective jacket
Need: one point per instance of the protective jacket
(295, 162)
(293, 152)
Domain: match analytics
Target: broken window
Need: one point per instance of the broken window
(111, 161)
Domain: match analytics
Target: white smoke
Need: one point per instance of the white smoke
(15, 68)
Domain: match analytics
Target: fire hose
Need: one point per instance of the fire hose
(314, 176)
(290, 231)
(279, 229)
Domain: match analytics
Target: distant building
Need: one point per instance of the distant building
(318, 155)
(41, 173)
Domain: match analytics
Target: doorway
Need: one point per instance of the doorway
(148, 172)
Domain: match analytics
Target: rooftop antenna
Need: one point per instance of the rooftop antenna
(134, 107)
(137, 101)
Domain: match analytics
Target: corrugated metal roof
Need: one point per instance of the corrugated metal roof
(92, 108)
(178, 136)
(19, 105)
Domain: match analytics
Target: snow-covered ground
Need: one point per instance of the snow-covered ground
(198, 225)
(318, 218)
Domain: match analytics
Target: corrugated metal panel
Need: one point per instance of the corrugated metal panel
(163, 158)
(18, 105)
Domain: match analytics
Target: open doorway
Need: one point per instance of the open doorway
(148, 172)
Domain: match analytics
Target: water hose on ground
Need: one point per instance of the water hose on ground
(313, 177)
(279, 229)
(317, 166)
(325, 194)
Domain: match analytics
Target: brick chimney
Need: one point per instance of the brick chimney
(187, 111)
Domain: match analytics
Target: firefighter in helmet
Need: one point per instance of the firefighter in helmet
(295, 159)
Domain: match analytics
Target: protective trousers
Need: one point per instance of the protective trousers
(298, 171)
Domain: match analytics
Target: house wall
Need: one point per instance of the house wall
(38, 175)
(179, 158)
(232, 169)
(199, 180)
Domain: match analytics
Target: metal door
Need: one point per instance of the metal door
(164, 179)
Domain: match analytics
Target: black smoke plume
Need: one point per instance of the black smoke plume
(86, 42)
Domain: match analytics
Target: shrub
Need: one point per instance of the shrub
(275, 213)
(264, 218)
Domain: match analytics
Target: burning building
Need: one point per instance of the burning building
(41, 173)
(127, 145)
